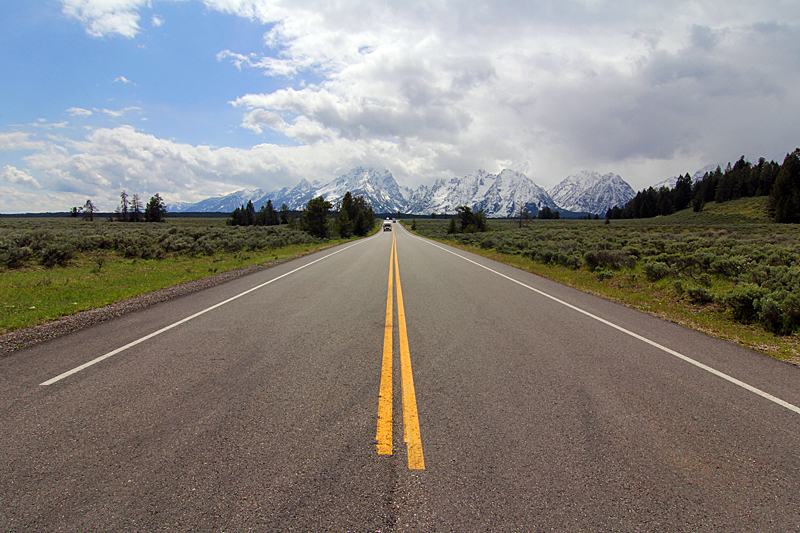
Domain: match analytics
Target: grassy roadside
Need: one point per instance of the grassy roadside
(659, 298)
(36, 294)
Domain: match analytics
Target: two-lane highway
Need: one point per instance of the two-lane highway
(283, 402)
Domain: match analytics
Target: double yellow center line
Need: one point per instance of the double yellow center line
(412, 436)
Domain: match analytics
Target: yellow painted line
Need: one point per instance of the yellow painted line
(413, 438)
(384, 433)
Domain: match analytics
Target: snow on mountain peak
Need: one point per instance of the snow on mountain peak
(592, 192)
(499, 195)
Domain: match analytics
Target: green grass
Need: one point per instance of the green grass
(742, 211)
(34, 294)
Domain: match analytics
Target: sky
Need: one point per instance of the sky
(198, 98)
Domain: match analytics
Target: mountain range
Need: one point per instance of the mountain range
(499, 195)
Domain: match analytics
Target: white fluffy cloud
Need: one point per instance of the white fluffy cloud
(78, 112)
(106, 17)
(18, 140)
(647, 89)
(12, 174)
(544, 87)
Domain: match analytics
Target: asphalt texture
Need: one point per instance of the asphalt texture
(540, 409)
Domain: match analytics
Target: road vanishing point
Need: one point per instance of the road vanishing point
(396, 384)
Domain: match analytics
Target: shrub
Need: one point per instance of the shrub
(699, 295)
(656, 270)
(770, 315)
(610, 259)
(742, 301)
(56, 254)
(728, 266)
(604, 274)
(14, 256)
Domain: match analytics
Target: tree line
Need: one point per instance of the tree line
(781, 183)
(468, 221)
(130, 209)
(353, 216)
(266, 216)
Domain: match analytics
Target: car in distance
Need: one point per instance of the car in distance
(387, 225)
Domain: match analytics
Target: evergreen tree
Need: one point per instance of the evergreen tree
(271, 215)
(236, 217)
(89, 210)
(452, 228)
(249, 215)
(347, 211)
(135, 214)
(156, 210)
(284, 214)
(363, 216)
(682, 193)
(471, 222)
(123, 206)
(784, 200)
(664, 202)
(314, 219)
(343, 224)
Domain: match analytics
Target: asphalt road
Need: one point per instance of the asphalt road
(254, 406)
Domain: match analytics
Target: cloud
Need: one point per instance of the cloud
(42, 123)
(123, 79)
(13, 200)
(156, 21)
(14, 175)
(17, 140)
(78, 112)
(546, 87)
(120, 113)
(102, 18)
(107, 161)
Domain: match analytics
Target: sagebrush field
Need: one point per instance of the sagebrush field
(736, 280)
(52, 267)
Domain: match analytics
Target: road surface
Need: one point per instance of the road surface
(396, 384)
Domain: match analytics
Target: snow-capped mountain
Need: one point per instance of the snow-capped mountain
(499, 195)
(592, 192)
(295, 198)
(225, 204)
(377, 186)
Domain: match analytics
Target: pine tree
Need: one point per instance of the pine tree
(314, 219)
(682, 193)
(89, 210)
(123, 206)
(271, 215)
(136, 209)
(249, 214)
(156, 210)
(452, 228)
(343, 224)
(784, 200)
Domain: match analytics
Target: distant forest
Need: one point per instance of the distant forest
(781, 183)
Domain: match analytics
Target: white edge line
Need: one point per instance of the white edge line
(698, 364)
(184, 320)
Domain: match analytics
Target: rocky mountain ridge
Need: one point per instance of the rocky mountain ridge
(499, 195)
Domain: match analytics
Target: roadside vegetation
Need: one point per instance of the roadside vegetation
(52, 267)
(707, 270)
(778, 184)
